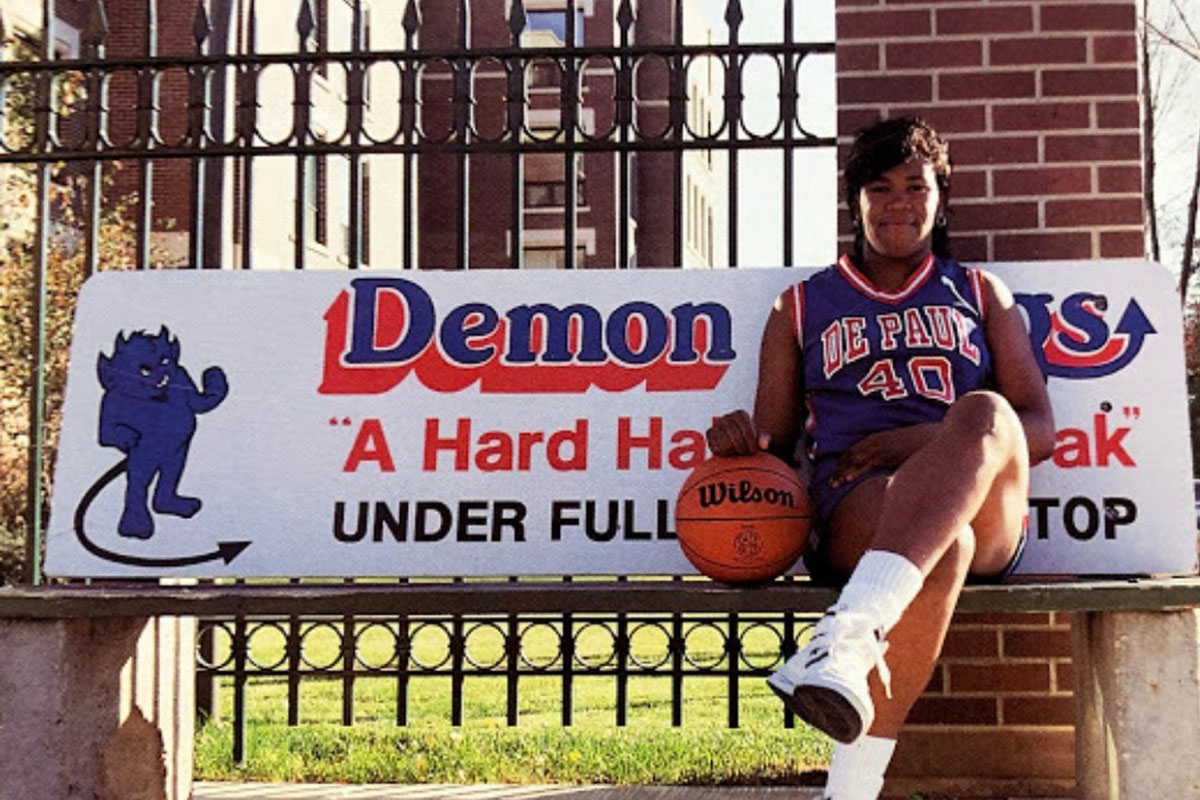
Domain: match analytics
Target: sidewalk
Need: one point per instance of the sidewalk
(492, 791)
(311, 791)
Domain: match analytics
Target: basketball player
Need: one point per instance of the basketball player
(911, 382)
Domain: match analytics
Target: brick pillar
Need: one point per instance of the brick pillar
(1039, 101)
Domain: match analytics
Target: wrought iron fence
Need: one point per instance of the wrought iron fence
(466, 650)
(105, 131)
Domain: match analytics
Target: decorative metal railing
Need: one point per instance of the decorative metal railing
(679, 647)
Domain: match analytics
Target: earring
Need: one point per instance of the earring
(940, 221)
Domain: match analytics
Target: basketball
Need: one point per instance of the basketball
(743, 519)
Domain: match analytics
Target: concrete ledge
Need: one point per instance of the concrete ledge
(112, 599)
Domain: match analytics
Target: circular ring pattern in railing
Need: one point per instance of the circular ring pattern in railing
(541, 645)
(266, 645)
(649, 645)
(598, 83)
(595, 646)
(761, 121)
(436, 102)
(375, 646)
(484, 648)
(489, 103)
(429, 646)
(317, 639)
(704, 645)
(652, 75)
(220, 644)
(759, 645)
(382, 121)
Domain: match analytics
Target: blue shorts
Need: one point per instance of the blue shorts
(825, 497)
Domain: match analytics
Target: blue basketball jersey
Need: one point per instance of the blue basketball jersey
(876, 360)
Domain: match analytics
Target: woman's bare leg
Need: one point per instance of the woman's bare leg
(954, 507)
(976, 473)
(916, 640)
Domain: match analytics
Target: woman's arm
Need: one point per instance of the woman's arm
(1018, 376)
(777, 412)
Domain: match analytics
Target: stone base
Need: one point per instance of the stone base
(97, 708)
(1138, 689)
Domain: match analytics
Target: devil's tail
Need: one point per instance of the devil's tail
(86, 501)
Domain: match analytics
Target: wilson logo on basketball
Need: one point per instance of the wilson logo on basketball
(716, 494)
(382, 330)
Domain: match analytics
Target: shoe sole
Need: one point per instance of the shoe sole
(824, 709)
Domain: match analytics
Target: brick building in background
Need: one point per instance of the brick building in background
(653, 206)
(1040, 103)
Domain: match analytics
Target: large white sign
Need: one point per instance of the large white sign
(497, 423)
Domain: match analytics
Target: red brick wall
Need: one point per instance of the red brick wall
(1039, 101)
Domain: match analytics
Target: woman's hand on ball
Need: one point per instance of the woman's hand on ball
(734, 434)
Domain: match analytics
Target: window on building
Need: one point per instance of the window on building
(544, 73)
(551, 257)
(545, 186)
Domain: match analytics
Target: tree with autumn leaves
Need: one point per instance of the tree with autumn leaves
(65, 267)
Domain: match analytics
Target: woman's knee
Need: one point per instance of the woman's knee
(987, 418)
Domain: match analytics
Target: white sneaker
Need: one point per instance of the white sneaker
(825, 684)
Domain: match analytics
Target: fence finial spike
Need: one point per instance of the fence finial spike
(412, 18)
(150, 23)
(625, 15)
(516, 19)
(252, 27)
(200, 25)
(95, 32)
(733, 14)
(305, 22)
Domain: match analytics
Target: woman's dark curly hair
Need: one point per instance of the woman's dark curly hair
(889, 144)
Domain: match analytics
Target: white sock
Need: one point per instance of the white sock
(856, 772)
(882, 585)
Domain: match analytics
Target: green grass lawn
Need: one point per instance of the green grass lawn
(647, 750)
